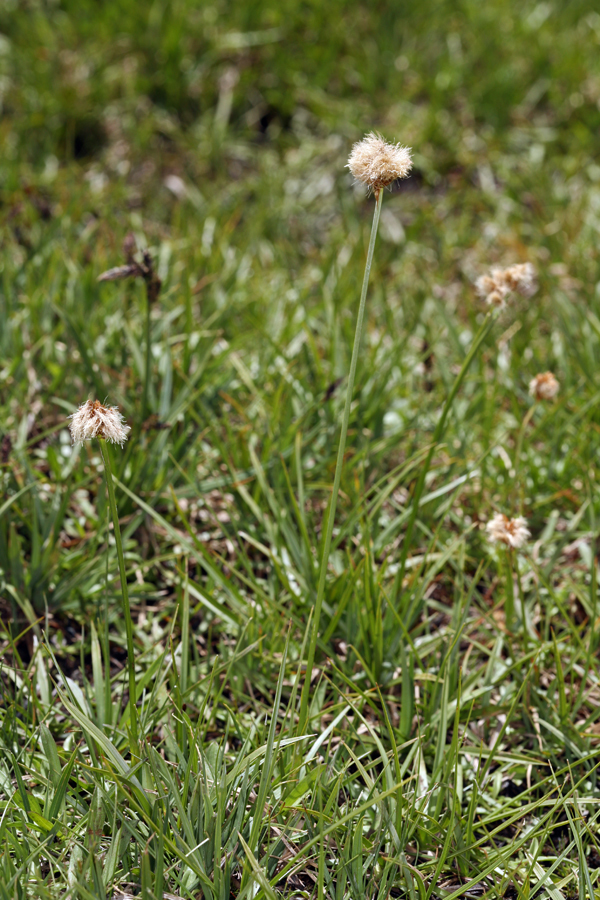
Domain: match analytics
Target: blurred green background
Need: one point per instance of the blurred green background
(462, 82)
(227, 123)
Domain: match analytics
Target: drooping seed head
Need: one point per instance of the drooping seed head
(375, 163)
(544, 386)
(93, 420)
(512, 532)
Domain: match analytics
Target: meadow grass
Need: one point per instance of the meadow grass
(445, 752)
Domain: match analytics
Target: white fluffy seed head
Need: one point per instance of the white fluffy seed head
(544, 386)
(93, 420)
(496, 287)
(512, 532)
(375, 163)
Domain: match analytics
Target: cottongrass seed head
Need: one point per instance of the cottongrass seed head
(500, 283)
(544, 386)
(93, 420)
(512, 532)
(375, 163)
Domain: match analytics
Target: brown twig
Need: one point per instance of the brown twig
(139, 268)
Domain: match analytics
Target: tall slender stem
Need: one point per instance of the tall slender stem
(338, 473)
(517, 465)
(509, 603)
(521, 593)
(148, 360)
(125, 597)
(437, 434)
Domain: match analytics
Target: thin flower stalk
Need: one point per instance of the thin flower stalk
(375, 164)
(517, 572)
(543, 388)
(509, 596)
(94, 420)
(478, 340)
(314, 635)
(520, 483)
(124, 597)
(513, 577)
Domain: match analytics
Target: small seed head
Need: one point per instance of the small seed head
(544, 386)
(496, 287)
(93, 420)
(512, 532)
(375, 163)
(521, 278)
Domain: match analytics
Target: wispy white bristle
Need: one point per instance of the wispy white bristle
(93, 420)
(375, 163)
